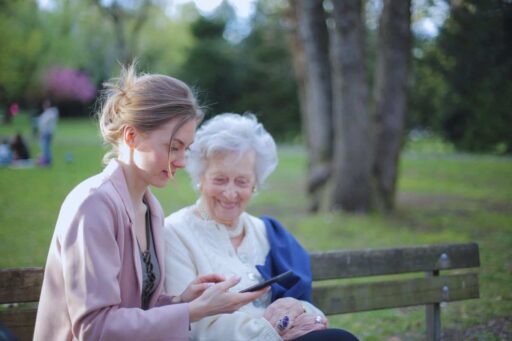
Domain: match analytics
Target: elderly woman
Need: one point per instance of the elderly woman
(231, 157)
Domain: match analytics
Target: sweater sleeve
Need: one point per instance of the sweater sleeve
(91, 265)
(181, 270)
(236, 326)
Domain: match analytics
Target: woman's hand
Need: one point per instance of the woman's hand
(303, 324)
(197, 287)
(289, 318)
(282, 313)
(217, 299)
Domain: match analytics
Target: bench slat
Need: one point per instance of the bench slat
(20, 285)
(336, 299)
(371, 262)
(20, 322)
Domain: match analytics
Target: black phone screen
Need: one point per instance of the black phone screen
(268, 282)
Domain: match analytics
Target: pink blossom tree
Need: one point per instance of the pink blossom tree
(67, 84)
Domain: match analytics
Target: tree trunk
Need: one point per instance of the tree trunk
(313, 40)
(390, 91)
(353, 136)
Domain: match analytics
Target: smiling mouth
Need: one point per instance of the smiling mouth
(229, 206)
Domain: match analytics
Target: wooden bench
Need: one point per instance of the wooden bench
(429, 289)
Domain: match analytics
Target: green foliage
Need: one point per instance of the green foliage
(253, 75)
(75, 34)
(164, 41)
(34, 39)
(268, 83)
(210, 66)
(428, 87)
(22, 44)
(443, 197)
(462, 87)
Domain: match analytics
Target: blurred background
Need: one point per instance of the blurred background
(393, 120)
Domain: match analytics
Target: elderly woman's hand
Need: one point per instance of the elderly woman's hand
(282, 313)
(303, 324)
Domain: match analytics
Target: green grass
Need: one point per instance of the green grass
(443, 197)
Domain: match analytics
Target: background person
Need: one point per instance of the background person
(104, 273)
(47, 124)
(230, 158)
(19, 148)
(5, 153)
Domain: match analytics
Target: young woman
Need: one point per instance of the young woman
(105, 268)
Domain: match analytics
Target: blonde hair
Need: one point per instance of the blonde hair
(145, 101)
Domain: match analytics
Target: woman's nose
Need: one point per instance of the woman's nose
(230, 192)
(179, 165)
(178, 161)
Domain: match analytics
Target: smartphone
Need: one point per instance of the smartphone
(268, 282)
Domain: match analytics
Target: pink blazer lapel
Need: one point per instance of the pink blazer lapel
(116, 176)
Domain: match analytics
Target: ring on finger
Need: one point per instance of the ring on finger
(318, 319)
(283, 323)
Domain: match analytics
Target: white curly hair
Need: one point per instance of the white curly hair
(234, 133)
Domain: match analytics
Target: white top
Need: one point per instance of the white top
(48, 120)
(195, 246)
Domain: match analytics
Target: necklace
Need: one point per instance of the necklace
(232, 232)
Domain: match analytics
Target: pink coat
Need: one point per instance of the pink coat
(93, 278)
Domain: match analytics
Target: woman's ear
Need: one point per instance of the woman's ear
(129, 134)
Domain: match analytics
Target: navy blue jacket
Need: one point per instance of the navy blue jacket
(286, 254)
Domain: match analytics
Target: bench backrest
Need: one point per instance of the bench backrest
(24, 285)
(380, 293)
(19, 286)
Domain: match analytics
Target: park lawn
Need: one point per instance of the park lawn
(443, 197)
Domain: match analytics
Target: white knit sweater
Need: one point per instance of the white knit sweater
(198, 247)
